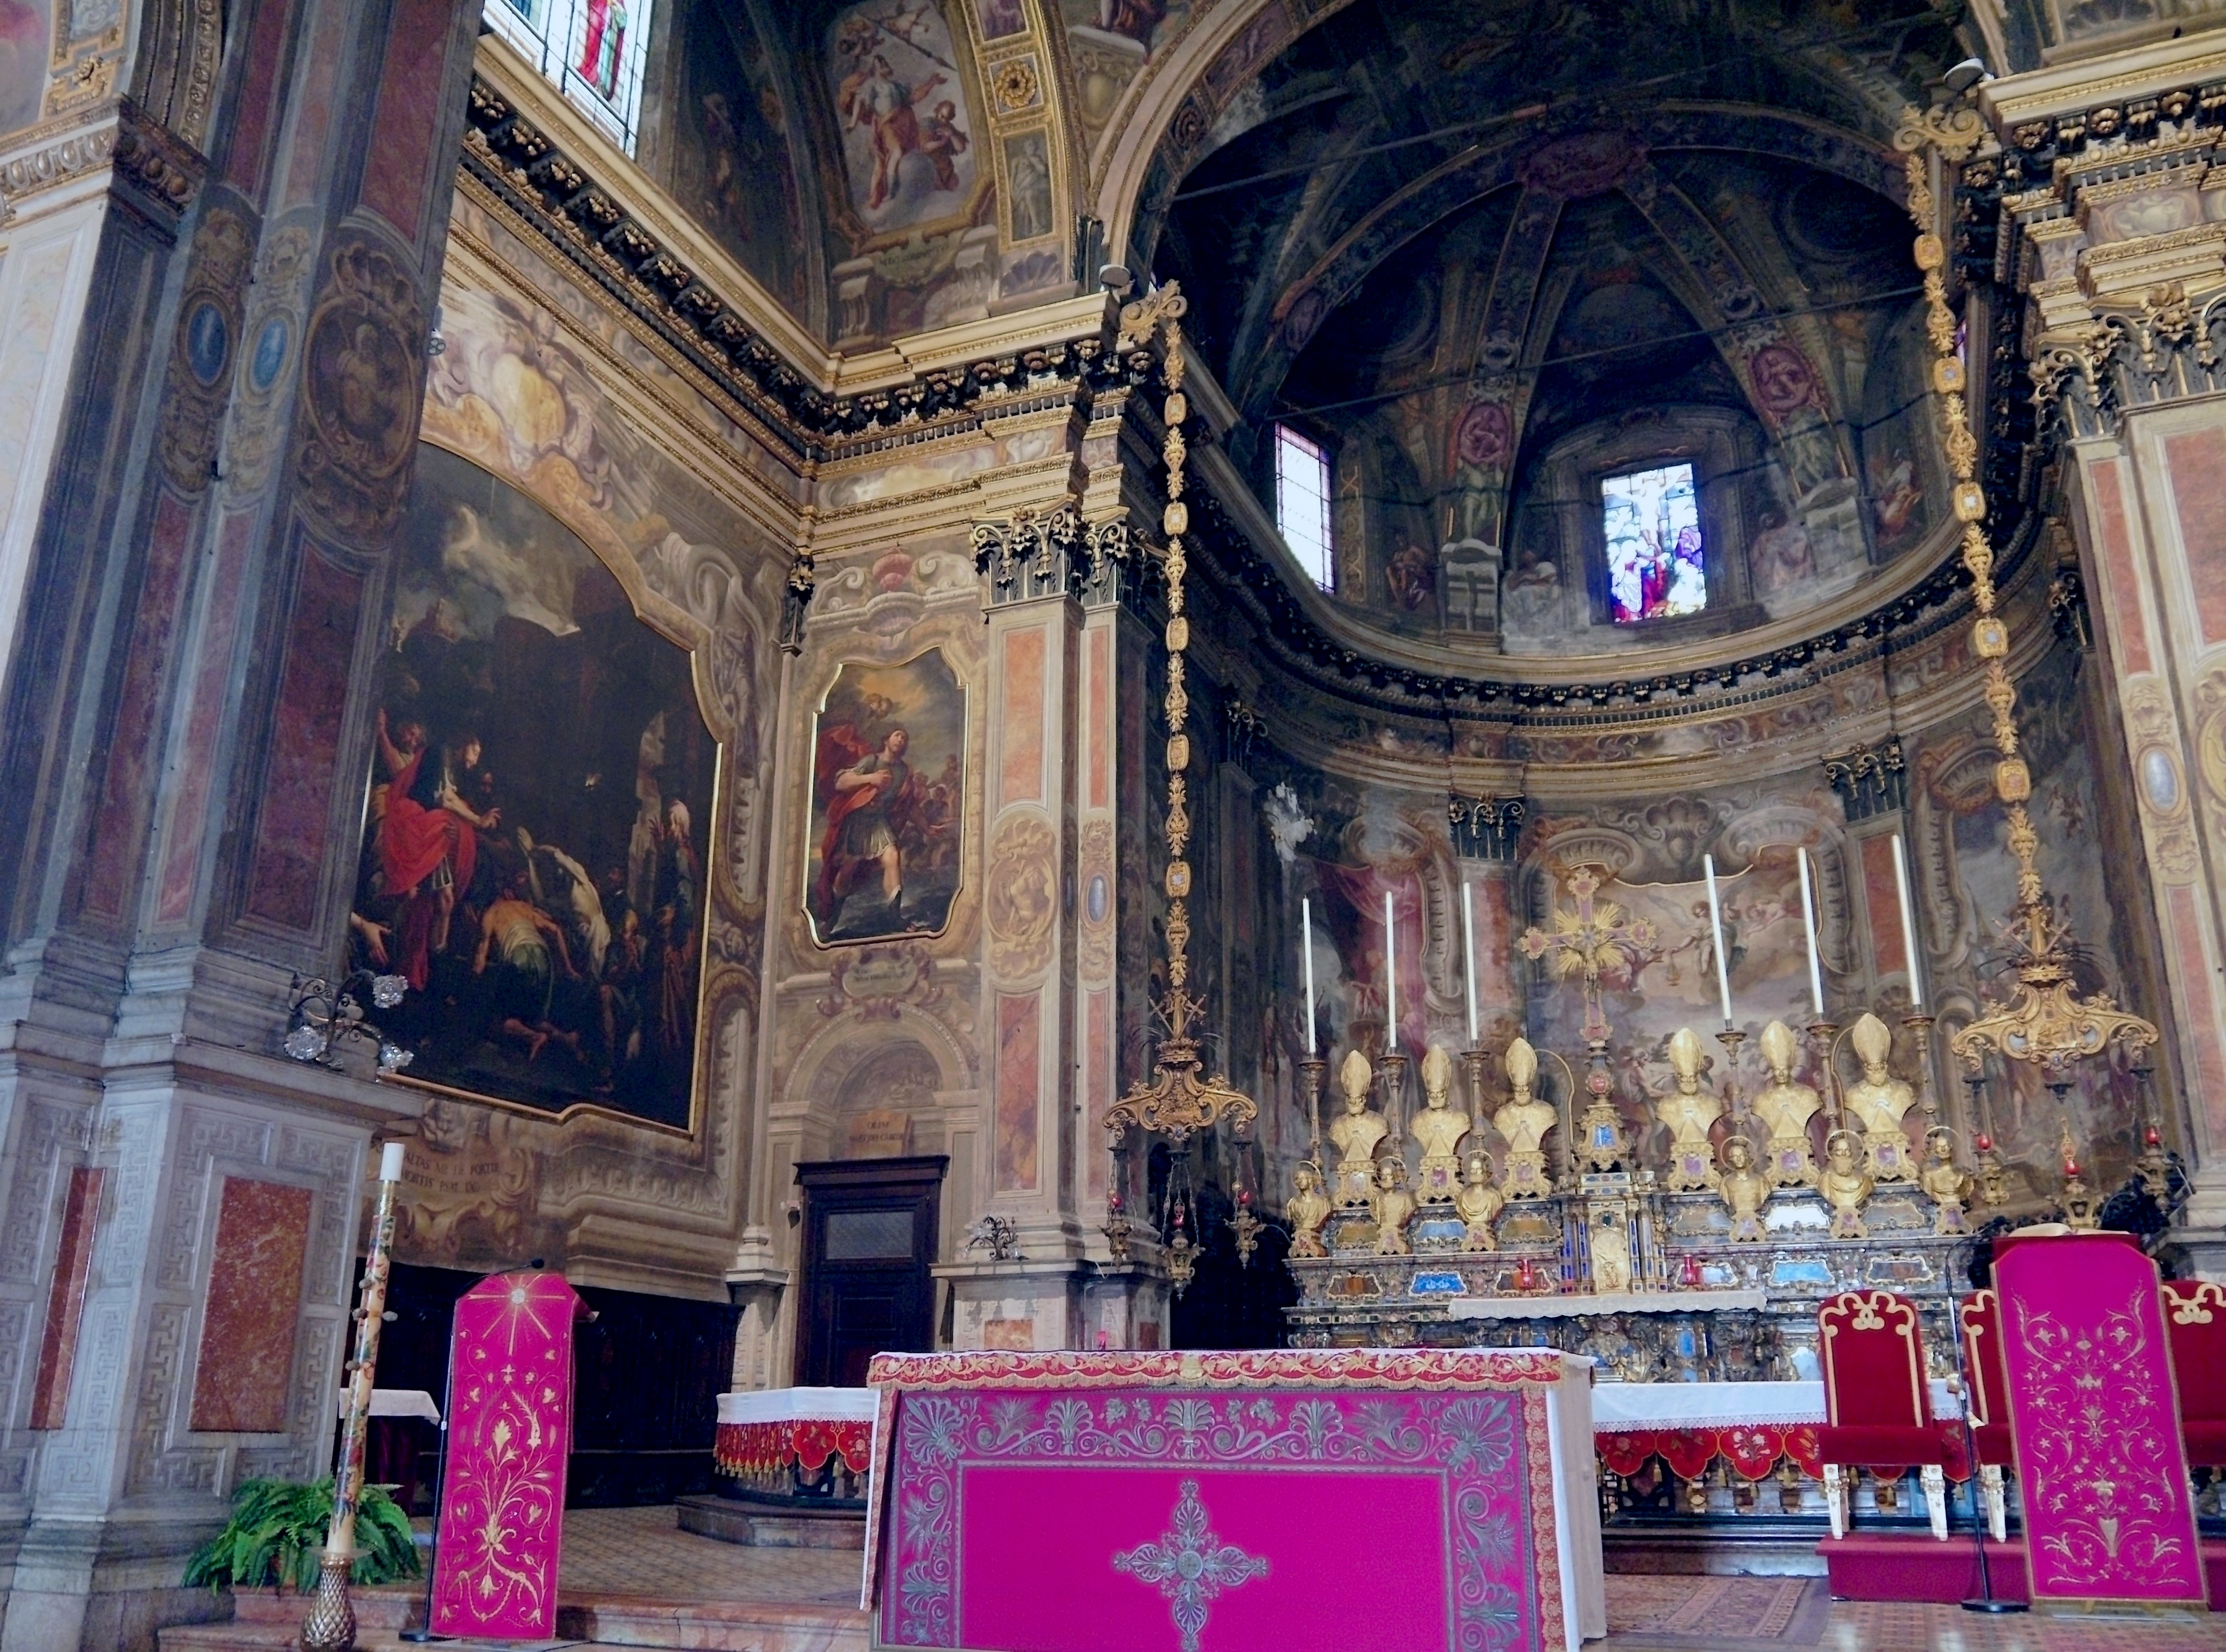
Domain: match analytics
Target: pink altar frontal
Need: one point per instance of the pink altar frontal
(1306, 1498)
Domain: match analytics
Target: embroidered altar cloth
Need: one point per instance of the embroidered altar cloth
(2109, 1516)
(1299, 1499)
(1751, 1425)
(762, 1433)
(501, 1521)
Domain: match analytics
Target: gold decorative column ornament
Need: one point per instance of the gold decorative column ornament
(330, 1626)
(2045, 1021)
(1177, 1102)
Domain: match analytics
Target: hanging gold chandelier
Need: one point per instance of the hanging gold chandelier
(2045, 1021)
(1177, 1100)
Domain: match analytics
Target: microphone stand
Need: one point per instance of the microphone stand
(423, 1633)
(1986, 1600)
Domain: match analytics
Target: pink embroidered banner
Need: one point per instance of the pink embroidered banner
(2108, 1513)
(510, 1431)
(1062, 1503)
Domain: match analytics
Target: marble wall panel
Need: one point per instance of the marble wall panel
(65, 1298)
(245, 1378)
(2196, 459)
(1020, 1038)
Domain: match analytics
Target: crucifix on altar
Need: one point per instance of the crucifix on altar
(1589, 939)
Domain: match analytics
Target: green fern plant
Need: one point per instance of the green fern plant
(276, 1535)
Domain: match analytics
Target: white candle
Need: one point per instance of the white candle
(1809, 918)
(1908, 924)
(1716, 928)
(390, 1162)
(1468, 951)
(1390, 977)
(1307, 941)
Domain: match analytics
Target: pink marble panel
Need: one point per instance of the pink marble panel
(190, 809)
(65, 1298)
(1098, 1080)
(2130, 633)
(2191, 964)
(409, 88)
(297, 798)
(135, 729)
(1100, 732)
(2196, 460)
(1020, 1040)
(1882, 899)
(1020, 774)
(246, 1375)
(255, 103)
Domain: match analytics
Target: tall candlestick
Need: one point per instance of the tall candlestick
(1716, 928)
(1390, 977)
(1468, 951)
(1908, 924)
(1809, 918)
(1306, 942)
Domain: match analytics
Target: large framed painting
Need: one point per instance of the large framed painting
(539, 807)
(888, 796)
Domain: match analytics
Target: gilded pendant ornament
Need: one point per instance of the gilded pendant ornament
(1179, 1100)
(2045, 1021)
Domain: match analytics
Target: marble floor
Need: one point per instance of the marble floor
(612, 1556)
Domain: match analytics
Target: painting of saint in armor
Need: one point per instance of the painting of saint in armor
(537, 815)
(887, 801)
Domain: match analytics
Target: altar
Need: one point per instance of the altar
(1064, 1502)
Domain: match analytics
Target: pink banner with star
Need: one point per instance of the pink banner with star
(501, 1520)
(1306, 1500)
(2109, 1516)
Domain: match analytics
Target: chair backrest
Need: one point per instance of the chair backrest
(1874, 1361)
(1980, 1319)
(2195, 1326)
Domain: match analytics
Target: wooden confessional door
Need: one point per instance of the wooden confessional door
(868, 1241)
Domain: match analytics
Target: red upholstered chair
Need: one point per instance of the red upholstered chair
(1878, 1412)
(2195, 1323)
(1980, 1319)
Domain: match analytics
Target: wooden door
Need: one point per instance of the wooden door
(869, 1240)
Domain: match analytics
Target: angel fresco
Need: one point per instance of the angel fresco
(887, 801)
(905, 147)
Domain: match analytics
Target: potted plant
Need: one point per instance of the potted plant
(276, 1536)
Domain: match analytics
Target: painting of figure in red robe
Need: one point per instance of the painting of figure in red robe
(887, 799)
(539, 807)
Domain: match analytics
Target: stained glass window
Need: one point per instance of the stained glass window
(592, 50)
(1656, 563)
(1302, 502)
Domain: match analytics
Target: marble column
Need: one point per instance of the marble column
(217, 304)
(2116, 239)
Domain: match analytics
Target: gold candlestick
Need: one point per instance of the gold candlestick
(1316, 1069)
(1820, 1034)
(1394, 1070)
(1920, 1026)
(1734, 1101)
(330, 1625)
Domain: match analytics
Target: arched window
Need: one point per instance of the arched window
(592, 50)
(1302, 493)
(1658, 564)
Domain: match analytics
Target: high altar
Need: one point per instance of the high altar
(1291, 1499)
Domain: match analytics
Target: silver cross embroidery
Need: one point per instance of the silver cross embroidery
(1190, 1565)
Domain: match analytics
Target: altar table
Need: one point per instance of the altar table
(1751, 1425)
(1299, 1498)
(770, 1438)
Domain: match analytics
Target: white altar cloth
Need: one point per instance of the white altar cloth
(796, 1405)
(1620, 1406)
(1573, 1305)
